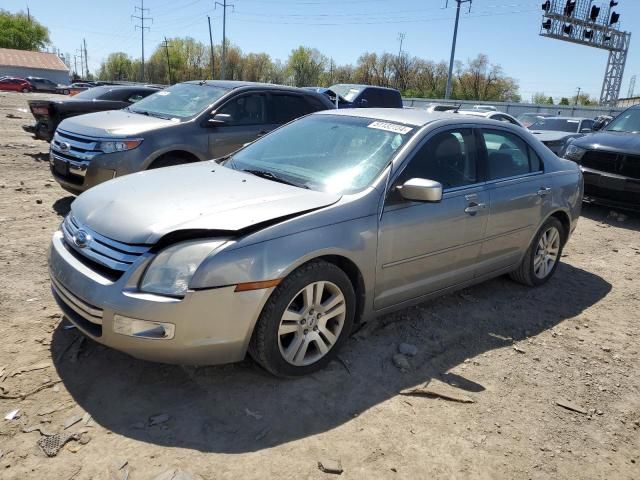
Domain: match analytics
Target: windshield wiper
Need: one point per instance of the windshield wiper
(271, 176)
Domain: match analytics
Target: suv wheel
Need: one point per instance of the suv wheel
(168, 161)
(305, 322)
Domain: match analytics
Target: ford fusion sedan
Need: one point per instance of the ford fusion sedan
(320, 225)
(610, 160)
(555, 131)
(185, 123)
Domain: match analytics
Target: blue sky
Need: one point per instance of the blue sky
(505, 30)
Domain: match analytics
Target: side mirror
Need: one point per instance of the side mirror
(363, 102)
(421, 190)
(220, 119)
(585, 130)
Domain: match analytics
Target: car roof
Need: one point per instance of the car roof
(568, 118)
(233, 84)
(361, 85)
(408, 116)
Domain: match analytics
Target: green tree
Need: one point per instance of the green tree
(20, 32)
(305, 66)
(119, 66)
(540, 98)
(564, 101)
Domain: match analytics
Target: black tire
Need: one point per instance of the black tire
(168, 161)
(525, 272)
(264, 345)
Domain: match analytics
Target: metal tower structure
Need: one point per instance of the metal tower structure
(632, 87)
(583, 23)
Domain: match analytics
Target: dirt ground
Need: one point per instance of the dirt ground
(515, 352)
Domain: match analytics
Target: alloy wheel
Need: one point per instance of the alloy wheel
(547, 253)
(311, 324)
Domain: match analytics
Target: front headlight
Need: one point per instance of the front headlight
(171, 271)
(574, 153)
(118, 145)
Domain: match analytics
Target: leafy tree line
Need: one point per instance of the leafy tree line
(22, 32)
(189, 59)
(540, 98)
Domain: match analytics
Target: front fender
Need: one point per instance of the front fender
(355, 240)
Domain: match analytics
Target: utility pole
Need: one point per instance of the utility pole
(224, 6)
(75, 65)
(28, 14)
(632, 87)
(142, 27)
(447, 94)
(577, 97)
(81, 61)
(213, 75)
(86, 61)
(166, 49)
(401, 37)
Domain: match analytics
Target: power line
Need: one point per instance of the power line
(142, 27)
(447, 94)
(224, 6)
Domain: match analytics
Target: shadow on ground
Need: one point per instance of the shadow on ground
(62, 206)
(628, 219)
(239, 408)
(39, 157)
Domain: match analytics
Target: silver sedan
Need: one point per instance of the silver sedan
(281, 248)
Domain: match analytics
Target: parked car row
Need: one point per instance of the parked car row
(309, 220)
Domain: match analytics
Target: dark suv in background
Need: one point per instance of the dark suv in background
(187, 122)
(610, 161)
(366, 96)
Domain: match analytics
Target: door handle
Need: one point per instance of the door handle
(474, 208)
(544, 191)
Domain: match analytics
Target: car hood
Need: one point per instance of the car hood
(621, 142)
(143, 207)
(116, 123)
(550, 135)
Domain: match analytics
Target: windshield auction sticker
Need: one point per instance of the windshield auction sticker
(390, 127)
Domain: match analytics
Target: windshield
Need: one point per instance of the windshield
(556, 124)
(628, 121)
(330, 153)
(180, 101)
(348, 92)
(92, 93)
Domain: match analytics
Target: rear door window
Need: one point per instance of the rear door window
(508, 155)
(284, 108)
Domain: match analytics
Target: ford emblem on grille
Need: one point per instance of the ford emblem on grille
(81, 239)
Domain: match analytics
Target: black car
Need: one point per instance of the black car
(366, 96)
(49, 113)
(610, 161)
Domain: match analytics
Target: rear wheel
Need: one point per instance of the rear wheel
(25, 90)
(543, 255)
(305, 322)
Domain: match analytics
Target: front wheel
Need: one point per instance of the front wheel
(25, 90)
(543, 255)
(305, 322)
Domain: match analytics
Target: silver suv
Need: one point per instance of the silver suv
(184, 123)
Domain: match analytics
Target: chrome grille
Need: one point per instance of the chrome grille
(73, 146)
(100, 249)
